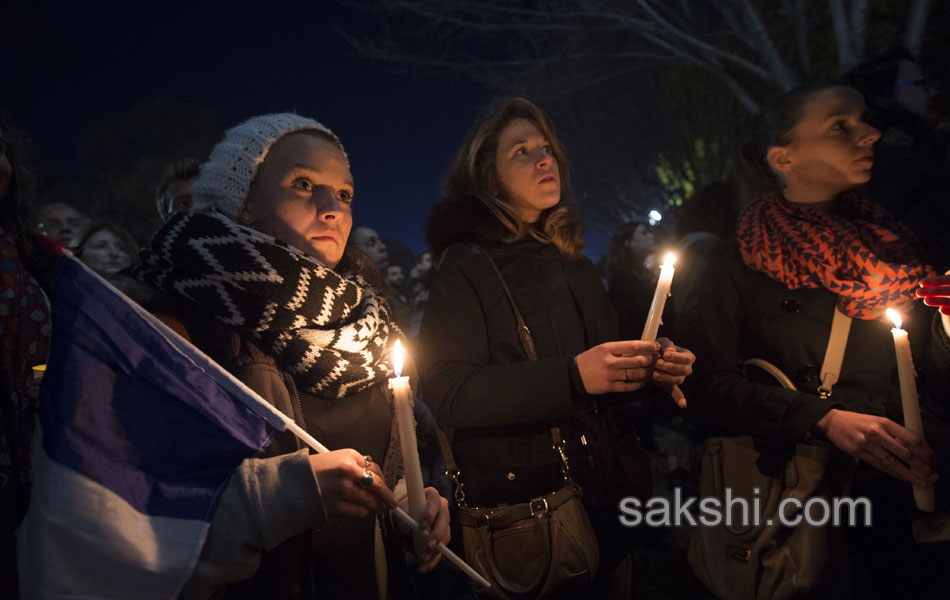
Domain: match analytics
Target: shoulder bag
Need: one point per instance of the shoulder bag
(761, 558)
(537, 549)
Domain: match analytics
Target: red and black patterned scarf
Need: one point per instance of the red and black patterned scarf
(860, 253)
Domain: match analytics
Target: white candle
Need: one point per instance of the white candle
(924, 497)
(402, 401)
(659, 298)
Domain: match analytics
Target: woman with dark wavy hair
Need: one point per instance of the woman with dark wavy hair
(508, 195)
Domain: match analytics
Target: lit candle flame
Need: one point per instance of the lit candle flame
(398, 356)
(669, 259)
(893, 316)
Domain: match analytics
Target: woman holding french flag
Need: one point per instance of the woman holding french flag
(260, 277)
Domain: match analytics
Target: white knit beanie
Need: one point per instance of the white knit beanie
(226, 178)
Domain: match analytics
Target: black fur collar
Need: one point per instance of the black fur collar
(463, 220)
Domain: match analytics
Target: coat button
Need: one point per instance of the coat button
(511, 476)
(791, 306)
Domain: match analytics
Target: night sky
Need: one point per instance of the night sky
(67, 65)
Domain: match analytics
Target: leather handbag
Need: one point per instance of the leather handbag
(545, 548)
(761, 558)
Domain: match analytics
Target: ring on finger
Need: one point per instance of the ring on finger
(626, 376)
(367, 460)
(367, 479)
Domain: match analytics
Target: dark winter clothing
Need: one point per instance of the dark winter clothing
(477, 378)
(24, 343)
(744, 314)
(335, 558)
(692, 256)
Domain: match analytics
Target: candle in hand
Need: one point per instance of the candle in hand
(402, 400)
(659, 298)
(924, 497)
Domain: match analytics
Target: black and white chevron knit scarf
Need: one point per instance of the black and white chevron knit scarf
(332, 332)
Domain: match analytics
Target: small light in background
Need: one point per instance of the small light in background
(654, 217)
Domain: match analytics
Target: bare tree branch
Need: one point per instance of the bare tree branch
(796, 14)
(738, 91)
(839, 20)
(690, 39)
(916, 24)
(449, 17)
(859, 28)
(777, 67)
(725, 9)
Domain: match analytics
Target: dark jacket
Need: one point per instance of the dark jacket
(744, 314)
(476, 376)
(338, 559)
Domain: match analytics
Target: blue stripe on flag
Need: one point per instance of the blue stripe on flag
(123, 406)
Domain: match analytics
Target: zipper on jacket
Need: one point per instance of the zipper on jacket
(298, 406)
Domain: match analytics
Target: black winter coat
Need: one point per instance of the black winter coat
(743, 314)
(475, 374)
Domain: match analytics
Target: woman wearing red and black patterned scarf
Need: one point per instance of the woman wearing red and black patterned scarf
(812, 243)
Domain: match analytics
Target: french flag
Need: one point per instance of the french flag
(138, 435)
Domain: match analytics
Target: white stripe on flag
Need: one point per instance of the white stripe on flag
(85, 541)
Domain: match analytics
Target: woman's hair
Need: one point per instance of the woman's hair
(79, 242)
(774, 126)
(16, 212)
(622, 260)
(473, 175)
(876, 79)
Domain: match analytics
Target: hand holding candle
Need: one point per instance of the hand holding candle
(402, 401)
(924, 497)
(397, 512)
(652, 325)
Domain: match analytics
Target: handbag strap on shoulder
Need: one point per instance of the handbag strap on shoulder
(834, 353)
(527, 342)
(830, 368)
(524, 334)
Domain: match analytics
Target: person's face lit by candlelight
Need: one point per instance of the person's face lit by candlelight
(302, 196)
(527, 171)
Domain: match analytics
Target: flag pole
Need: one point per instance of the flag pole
(398, 512)
(253, 401)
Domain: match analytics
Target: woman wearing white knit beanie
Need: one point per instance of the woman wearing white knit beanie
(259, 276)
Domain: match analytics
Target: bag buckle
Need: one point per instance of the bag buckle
(538, 505)
(455, 475)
